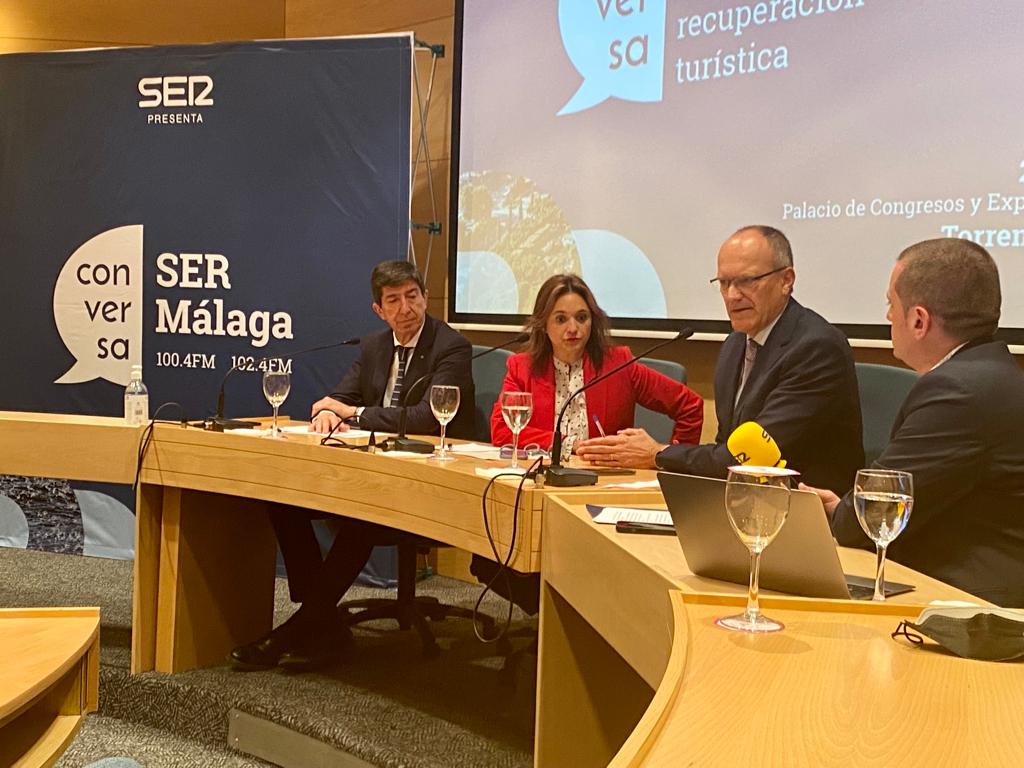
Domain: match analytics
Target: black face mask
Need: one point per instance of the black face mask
(989, 634)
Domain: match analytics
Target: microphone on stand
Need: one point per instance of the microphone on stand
(521, 338)
(400, 442)
(564, 477)
(218, 423)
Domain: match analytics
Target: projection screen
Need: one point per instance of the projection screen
(626, 139)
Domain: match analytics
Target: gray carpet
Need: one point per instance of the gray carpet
(384, 703)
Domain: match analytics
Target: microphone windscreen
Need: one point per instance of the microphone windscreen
(751, 444)
(684, 333)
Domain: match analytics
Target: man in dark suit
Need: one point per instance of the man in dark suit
(783, 366)
(960, 432)
(389, 368)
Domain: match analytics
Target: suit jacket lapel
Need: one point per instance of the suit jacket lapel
(382, 357)
(420, 364)
(769, 354)
(731, 363)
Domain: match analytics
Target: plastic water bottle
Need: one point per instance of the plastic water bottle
(136, 399)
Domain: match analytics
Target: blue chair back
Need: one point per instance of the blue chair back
(488, 376)
(658, 425)
(883, 388)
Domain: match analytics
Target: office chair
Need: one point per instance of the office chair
(658, 425)
(488, 376)
(882, 388)
(408, 609)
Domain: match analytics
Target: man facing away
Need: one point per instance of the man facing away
(414, 345)
(784, 367)
(960, 431)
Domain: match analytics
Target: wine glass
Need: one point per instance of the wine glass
(277, 382)
(757, 503)
(444, 402)
(882, 499)
(516, 409)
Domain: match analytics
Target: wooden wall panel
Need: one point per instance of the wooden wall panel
(439, 121)
(436, 275)
(129, 22)
(25, 45)
(312, 18)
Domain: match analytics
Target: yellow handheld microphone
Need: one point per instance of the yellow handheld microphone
(751, 444)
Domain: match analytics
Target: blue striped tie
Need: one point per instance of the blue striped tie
(396, 393)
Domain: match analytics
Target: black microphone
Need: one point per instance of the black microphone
(522, 337)
(563, 477)
(400, 442)
(218, 423)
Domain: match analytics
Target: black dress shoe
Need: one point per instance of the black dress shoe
(316, 650)
(265, 653)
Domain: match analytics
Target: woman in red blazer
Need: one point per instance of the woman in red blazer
(569, 346)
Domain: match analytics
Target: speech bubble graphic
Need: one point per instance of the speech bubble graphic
(619, 273)
(97, 306)
(618, 46)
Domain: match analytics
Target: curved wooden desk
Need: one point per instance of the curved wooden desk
(633, 671)
(49, 679)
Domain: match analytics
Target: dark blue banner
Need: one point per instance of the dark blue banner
(189, 209)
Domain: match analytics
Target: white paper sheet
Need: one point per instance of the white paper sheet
(612, 515)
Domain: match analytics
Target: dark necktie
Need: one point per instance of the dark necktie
(396, 393)
(749, 355)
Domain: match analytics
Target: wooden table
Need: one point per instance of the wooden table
(49, 680)
(631, 669)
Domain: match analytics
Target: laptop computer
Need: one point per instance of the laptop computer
(802, 560)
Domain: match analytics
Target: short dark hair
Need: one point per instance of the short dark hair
(782, 252)
(956, 281)
(554, 288)
(389, 274)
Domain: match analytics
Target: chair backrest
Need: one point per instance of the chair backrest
(883, 388)
(658, 425)
(488, 376)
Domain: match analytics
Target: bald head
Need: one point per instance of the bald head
(755, 276)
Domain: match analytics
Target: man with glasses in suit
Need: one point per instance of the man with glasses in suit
(783, 366)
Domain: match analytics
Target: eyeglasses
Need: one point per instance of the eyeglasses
(531, 451)
(741, 283)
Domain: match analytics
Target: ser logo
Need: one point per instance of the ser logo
(176, 91)
(171, 91)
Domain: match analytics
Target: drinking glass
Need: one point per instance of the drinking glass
(757, 503)
(277, 382)
(882, 499)
(516, 409)
(444, 402)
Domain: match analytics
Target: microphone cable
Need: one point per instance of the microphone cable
(502, 561)
(147, 434)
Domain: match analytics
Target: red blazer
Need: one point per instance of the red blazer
(612, 400)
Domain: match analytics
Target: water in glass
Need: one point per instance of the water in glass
(444, 402)
(882, 499)
(277, 382)
(757, 503)
(516, 409)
